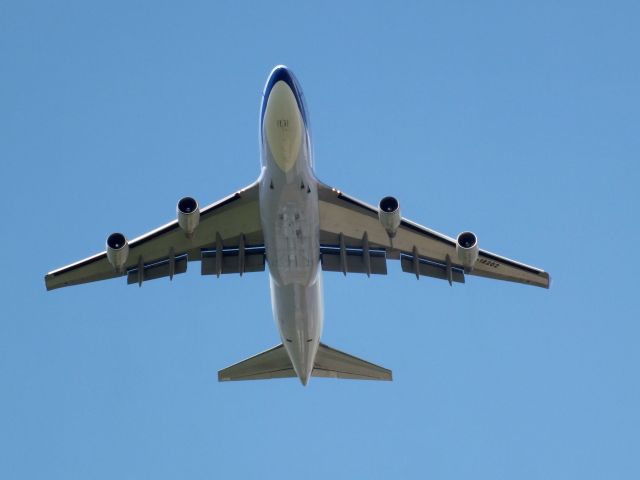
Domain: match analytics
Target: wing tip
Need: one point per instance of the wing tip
(48, 282)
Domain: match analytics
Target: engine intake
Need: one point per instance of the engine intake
(389, 215)
(117, 250)
(467, 249)
(188, 215)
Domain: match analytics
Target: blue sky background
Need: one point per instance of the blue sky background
(517, 120)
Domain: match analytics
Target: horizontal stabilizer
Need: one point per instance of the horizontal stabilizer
(329, 363)
(273, 363)
(333, 363)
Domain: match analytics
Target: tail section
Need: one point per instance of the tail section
(329, 363)
(272, 363)
(333, 363)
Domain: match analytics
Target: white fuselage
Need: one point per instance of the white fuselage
(290, 220)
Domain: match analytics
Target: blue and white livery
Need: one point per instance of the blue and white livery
(299, 227)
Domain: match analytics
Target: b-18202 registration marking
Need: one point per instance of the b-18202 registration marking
(489, 263)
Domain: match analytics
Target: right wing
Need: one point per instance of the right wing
(347, 220)
(232, 223)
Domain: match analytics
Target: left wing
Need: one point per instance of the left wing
(229, 228)
(348, 222)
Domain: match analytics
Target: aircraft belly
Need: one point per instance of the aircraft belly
(291, 231)
(298, 312)
(291, 228)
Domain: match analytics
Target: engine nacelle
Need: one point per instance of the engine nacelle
(467, 249)
(188, 215)
(389, 215)
(117, 250)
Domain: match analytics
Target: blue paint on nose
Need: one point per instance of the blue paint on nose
(280, 73)
(284, 74)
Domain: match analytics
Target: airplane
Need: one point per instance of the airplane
(299, 227)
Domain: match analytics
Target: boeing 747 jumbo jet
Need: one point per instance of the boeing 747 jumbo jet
(299, 226)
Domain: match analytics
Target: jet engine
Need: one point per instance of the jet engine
(117, 250)
(188, 215)
(389, 215)
(467, 249)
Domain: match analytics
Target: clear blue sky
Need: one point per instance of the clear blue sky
(517, 120)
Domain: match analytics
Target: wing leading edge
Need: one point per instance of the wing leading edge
(348, 221)
(229, 228)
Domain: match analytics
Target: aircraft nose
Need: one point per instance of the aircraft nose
(282, 123)
(278, 78)
(282, 73)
